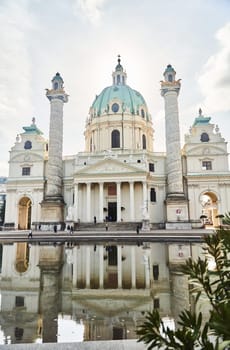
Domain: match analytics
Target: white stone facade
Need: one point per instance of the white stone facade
(119, 174)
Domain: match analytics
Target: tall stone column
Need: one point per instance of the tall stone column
(176, 203)
(76, 202)
(88, 201)
(101, 266)
(101, 188)
(145, 197)
(119, 267)
(133, 267)
(131, 200)
(50, 263)
(75, 266)
(118, 201)
(57, 98)
(87, 267)
(53, 204)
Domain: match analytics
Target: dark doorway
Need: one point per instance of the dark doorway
(117, 333)
(112, 211)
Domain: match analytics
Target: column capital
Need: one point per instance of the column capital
(168, 89)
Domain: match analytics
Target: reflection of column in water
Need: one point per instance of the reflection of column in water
(49, 304)
(50, 264)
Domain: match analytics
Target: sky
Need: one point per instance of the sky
(81, 39)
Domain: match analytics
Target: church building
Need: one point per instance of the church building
(119, 177)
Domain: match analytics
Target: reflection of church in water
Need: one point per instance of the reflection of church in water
(118, 176)
(104, 290)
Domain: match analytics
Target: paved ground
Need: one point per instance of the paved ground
(96, 345)
(43, 237)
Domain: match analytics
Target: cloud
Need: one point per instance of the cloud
(91, 9)
(214, 80)
(15, 69)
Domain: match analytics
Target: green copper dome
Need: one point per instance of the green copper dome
(129, 100)
(119, 98)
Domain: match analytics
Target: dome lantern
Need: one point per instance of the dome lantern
(57, 82)
(169, 74)
(119, 76)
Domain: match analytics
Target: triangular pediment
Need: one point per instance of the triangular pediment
(109, 166)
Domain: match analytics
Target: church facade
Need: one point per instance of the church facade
(118, 177)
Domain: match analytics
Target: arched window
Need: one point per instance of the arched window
(142, 113)
(28, 145)
(115, 139)
(170, 78)
(143, 141)
(55, 86)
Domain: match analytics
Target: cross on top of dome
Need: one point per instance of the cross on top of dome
(119, 66)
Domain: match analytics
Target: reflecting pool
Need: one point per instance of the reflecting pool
(68, 293)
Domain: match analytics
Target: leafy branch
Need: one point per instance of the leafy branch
(214, 285)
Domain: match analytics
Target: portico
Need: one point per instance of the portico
(115, 200)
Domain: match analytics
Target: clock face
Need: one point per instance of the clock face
(115, 107)
(28, 145)
(204, 137)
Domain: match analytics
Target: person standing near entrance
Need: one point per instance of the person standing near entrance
(95, 220)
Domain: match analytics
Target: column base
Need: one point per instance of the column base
(145, 225)
(177, 208)
(52, 210)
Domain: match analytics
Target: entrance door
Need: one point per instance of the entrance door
(112, 211)
(24, 213)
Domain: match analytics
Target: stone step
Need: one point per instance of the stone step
(114, 226)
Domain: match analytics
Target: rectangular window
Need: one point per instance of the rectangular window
(155, 272)
(152, 195)
(151, 167)
(26, 171)
(19, 301)
(156, 303)
(206, 165)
